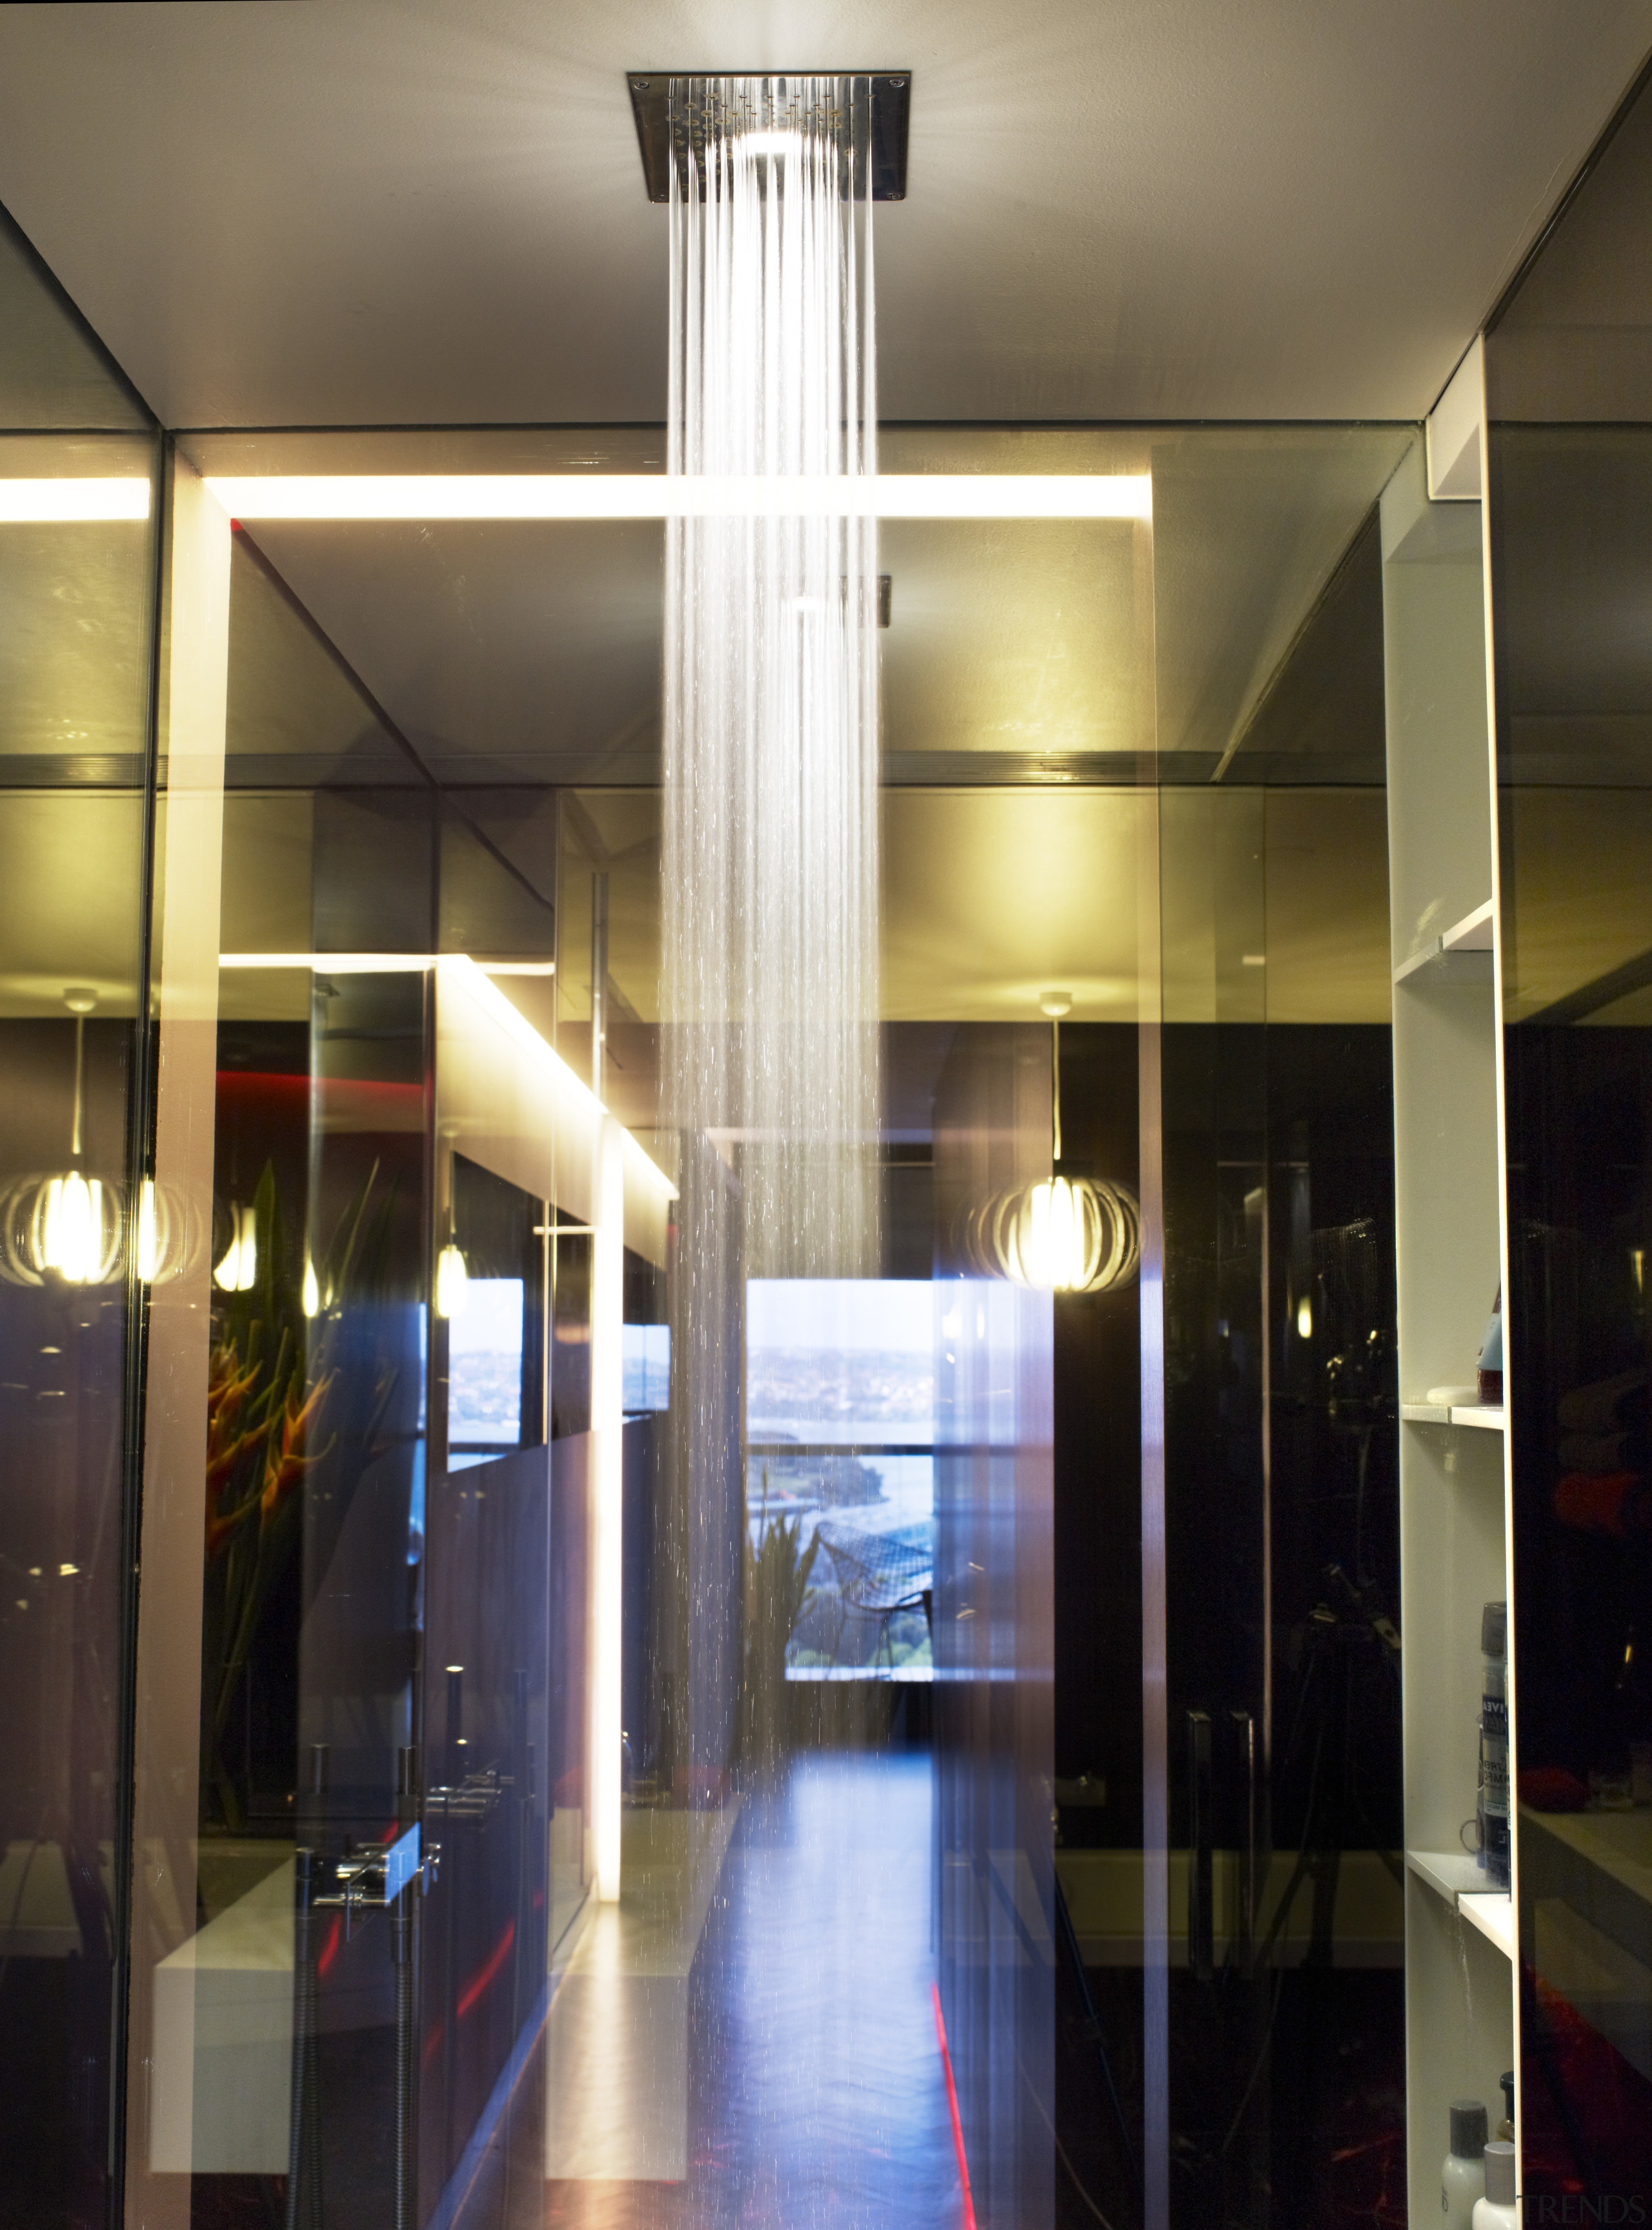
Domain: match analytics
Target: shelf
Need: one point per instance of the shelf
(1482, 1417)
(1450, 1874)
(1455, 1876)
(1462, 955)
(1492, 1911)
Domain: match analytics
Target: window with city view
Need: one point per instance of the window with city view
(840, 1450)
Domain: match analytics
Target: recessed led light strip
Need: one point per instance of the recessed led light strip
(339, 964)
(388, 496)
(377, 963)
(415, 496)
(72, 502)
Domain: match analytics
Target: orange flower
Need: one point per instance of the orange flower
(219, 1529)
(286, 1466)
(221, 1461)
(228, 1387)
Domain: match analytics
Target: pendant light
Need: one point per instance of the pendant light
(452, 1273)
(72, 1226)
(167, 1236)
(1064, 1235)
(67, 1226)
(452, 1279)
(237, 1271)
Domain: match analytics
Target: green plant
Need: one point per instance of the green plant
(777, 1593)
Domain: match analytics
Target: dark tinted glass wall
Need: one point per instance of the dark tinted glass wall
(1282, 1584)
(75, 603)
(1569, 371)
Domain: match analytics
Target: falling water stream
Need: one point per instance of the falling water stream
(770, 852)
(771, 687)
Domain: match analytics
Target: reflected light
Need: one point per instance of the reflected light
(167, 1235)
(452, 1281)
(74, 1227)
(148, 1239)
(1064, 1235)
(475, 976)
(607, 1507)
(38, 503)
(238, 1271)
(71, 1228)
(419, 496)
(375, 964)
(312, 1298)
(339, 963)
(1305, 1318)
(68, 1225)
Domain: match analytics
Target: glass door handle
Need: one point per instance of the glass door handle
(1201, 1931)
(1243, 1732)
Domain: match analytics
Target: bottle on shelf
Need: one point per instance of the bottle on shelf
(1497, 2210)
(1462, 2176)
(1490, 1375)
(1492, 1804)
(1506, 2127)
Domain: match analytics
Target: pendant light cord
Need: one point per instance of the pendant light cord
(79, 1071)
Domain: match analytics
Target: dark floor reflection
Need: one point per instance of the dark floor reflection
(816, 2093)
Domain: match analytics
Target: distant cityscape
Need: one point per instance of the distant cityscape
(484, 1397)
(834, 1395)
(792, 1394)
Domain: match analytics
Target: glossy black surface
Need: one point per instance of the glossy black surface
(994, 1634)
(484, 1925)
(1569, 371)
(420, 1657)
(1282, 1573)
(75, 790)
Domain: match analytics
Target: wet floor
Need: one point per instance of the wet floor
(792, 2076)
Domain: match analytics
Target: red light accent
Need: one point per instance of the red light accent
(952, 2101)
(474, 1990)
(431, 2044)
(330, 1952)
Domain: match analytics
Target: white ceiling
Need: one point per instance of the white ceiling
(304, 212)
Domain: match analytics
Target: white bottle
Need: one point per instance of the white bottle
(1462, 2178)
(1498, 2210)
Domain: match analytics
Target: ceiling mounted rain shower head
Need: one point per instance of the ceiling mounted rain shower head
(889, 93)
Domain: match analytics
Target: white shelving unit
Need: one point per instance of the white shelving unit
(1463, 952)
(1458, 1877)
(1460, 1998)
(1479, 1417)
